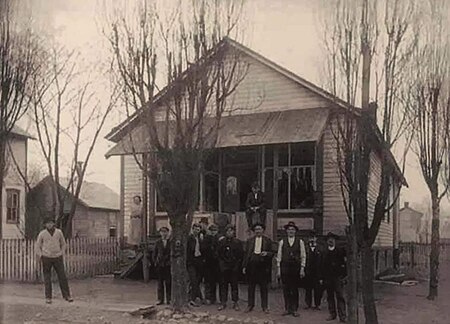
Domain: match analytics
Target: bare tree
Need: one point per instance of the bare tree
(68, 117)
(356, 47)
(18, 52)
(187, 47)
(429, 99)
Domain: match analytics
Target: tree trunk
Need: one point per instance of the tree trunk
(179, 298)
(435, 248)
(352, 288)
(2, 180)
(370, 310)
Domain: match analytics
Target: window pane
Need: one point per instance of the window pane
(302, 153)
(283, 188)
(268, 156)
(211, 191)
(268, 188)
(283, 155)
(302, 193)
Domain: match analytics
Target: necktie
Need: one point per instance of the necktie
(197, 248)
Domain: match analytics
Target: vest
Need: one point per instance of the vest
(291, 254)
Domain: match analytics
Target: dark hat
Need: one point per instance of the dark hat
(290, 224)
(332, 235)
(213, 227)
(230, 226)
(258, 224)
(196, 225)
(49, 220)
(164, 228)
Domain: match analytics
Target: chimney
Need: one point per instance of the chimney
(371, 111)
(406, 204)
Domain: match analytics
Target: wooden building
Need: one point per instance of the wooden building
(97, 212)
(284, 141)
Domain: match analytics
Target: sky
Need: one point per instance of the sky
(286, 32)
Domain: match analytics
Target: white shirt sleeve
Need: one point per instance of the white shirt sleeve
(302, 254)
(279, 254)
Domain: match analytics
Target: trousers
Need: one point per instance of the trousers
(58, 265)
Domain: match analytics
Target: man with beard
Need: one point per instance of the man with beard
(291, 261)
(334, 271)
(313, 264)
(257, 265)
(230, 253)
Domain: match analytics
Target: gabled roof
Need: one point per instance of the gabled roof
(93, 194)
(117, 132)
(20, 133)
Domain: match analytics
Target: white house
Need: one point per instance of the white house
(14, 188)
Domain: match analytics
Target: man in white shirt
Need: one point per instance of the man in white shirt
(257, 265)
(51, 247)
(291, 262)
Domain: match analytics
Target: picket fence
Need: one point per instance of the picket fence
(417, 255)
(84, 257)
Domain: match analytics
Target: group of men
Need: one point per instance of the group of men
(221, 261)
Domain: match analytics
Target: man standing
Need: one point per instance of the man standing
(257, 265)
(291, 261)
(313, 264)
(51, 247)
(195, 262)
(212, 264)
(255, 207)
(230, 253)
(334, 270)
(161, 259)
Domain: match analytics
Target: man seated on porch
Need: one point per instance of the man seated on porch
(256, 211)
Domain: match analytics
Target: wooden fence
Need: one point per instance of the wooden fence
(417, 255)
(84, 257)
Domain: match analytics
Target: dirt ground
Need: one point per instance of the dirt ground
(106, 300)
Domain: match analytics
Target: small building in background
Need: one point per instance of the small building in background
(412, 225)
(97, 212)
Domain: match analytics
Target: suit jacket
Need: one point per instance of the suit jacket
(230, 253)
(313, 263)
(161, 255)
(190, 250)
(266, 265)
(334, 264)
(253, 201)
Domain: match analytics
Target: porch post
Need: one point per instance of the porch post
(275, 192)
(201, 207)
(145, 260)
(220, 181)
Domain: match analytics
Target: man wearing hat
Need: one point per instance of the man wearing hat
(161, 260)
(255, 206)
(257, 265)
(313, 264)
(212, 264)
(291, 261)
(230, 253)
(334, 270)
(51, 247)
(195, 262)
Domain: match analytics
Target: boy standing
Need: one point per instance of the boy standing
(161, 259)
(51, 246)
(195, 262)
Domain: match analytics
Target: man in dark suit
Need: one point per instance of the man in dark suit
(230, 253)
(291, 262)
(312, 270)
(255, 206)
(195, 262)
(257, 265)
(161, 260)
(333, 273)
(211, 265)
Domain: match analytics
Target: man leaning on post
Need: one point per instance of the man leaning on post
(51, 247)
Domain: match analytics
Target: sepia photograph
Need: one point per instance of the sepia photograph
(224, 161)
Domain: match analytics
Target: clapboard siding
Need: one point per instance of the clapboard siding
(334, 213)
(132, 187)
(13, 180)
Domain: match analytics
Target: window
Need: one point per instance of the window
(296, 175)
(112, 231)
(12, 206)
